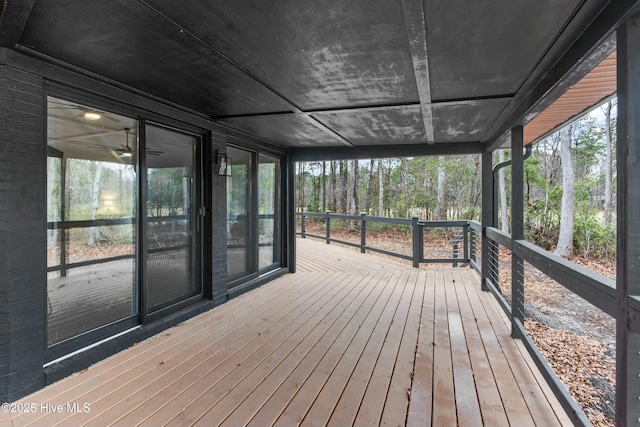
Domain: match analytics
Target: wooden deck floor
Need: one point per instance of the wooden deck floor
(349, 339)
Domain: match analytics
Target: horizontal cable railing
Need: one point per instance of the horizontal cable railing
(592, 287)
(475, 235)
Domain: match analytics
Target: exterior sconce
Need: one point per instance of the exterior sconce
(224, 165)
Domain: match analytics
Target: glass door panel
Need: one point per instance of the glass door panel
(173, 267)
(268, 213)
(91, 219)
(238, 213)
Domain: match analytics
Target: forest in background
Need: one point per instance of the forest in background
(569, 185)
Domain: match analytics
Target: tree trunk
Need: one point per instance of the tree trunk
(608, 211)
(343, 188)
(324, 186)
(354, 188)
(334, 193)
(404, 187)
(301, 183)
(565, 240)
(95, 200)
(370, 188)
(381, 187)
(502, 189)
(441, 209)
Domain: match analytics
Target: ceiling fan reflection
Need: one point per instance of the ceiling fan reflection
(126, 150)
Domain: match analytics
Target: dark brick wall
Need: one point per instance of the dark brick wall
(219, 225)
(22, 233)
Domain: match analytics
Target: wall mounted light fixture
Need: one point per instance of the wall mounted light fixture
(224, 164)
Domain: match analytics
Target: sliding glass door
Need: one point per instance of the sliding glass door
(172, 261)
(268, 211)
(239, 206)
(92, 252)
(124, 235)
(253, 214)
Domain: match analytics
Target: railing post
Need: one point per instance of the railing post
(417, 241)
(328, 226)
(363, 232)
(455, 253)
(465, 237)
(303, 226)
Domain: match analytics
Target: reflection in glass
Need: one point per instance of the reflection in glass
(172, 265)
(268, 178)
(238, 205)
(91, 210)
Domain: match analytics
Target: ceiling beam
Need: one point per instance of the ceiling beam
(328, 130)
(13, 19)
(593, 43)
(374, 108)
(308, 154)
(416, 29)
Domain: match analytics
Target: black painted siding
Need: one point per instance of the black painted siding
(22, 233)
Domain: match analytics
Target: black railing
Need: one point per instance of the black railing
(475, 235)
(416, 226)
(65, 226)
(593, 287)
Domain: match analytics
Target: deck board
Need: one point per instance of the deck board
(350, 339)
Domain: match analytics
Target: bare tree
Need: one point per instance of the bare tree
(324, 186)
(381, 187)
(354, 188)
(608, 210)
(96, 189)
(334, 192)
(502, 189)
(404, 186)
(370, 189)
(565, 240)
(343, 187)
(442, 196)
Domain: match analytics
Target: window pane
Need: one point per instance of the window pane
(172, 263)
(238, 190)
(91, 210)
(268, 178)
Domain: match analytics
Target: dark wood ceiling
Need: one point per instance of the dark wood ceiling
(300, 73)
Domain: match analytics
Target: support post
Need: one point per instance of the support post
(628, 242)
(290, 188)
(517, 226)
(328, 226)
(417, 241)
(363, 232)
(487, 217)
